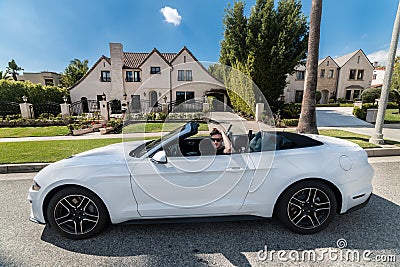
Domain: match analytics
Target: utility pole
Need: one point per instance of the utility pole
(377, 137)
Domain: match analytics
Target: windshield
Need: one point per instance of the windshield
(142, 149)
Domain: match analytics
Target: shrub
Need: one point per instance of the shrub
(369, 95)
(359, 113)
(392, 105)
(36, 93)
(291, 111)
(290, 122)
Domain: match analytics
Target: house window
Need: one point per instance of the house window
(182, 96)
(374, 77)
(300, 75)
(105, 76)
(322, 74)
(356, 94)
(352, 75)
(136, 76)
(189, 75)
(155, 70)
(298, 98)
(348, 94)
(327, 63)
(48, 82)
(181, 75)
(360, 74)
(129, 76)
(330, 75)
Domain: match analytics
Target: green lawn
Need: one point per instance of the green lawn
(33, 131)
(47, 151)
(392, 116)
(359, 139)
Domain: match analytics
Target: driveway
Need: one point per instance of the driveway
(339, 117)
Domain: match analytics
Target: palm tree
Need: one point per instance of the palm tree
(308, 118)
(74, 72)
(13, 69)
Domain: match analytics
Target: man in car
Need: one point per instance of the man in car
(221, 142)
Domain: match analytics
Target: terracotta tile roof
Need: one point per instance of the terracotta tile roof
(134, 60)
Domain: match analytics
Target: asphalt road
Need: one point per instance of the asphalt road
(373, 231)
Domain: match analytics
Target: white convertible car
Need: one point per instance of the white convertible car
(304, 180)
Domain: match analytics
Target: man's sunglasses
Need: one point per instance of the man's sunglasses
(216, 139)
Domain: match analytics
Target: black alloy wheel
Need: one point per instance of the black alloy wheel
(307, 207)
(77, 213)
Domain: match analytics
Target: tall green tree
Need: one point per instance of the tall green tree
(276, 41)
(233, 46)
(13, 69)
(74, 72)
(308, 118)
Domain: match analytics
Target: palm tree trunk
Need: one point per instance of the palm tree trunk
(308, 118)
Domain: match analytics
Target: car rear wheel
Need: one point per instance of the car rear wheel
(77, 213)
(307, 207)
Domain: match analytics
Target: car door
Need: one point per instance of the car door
(192, 185)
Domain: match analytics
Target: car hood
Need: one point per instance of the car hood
(115, 151)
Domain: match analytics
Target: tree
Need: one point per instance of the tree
(74, 72)
(395, 84)
(395, 93)
(13, 69)
(275, 42)
(308, 118)
(4, 76)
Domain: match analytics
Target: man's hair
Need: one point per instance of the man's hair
(215, 131)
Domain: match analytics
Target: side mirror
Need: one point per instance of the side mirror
(159, 157)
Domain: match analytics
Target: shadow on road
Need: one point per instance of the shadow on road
(374, 228)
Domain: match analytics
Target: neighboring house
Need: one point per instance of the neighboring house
(377, 77)
(43, 78)
(295, 85)
(150, 78)
(344, 77)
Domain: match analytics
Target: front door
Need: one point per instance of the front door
(195, 185)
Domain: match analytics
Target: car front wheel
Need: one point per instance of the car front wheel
(307, 207)
(77, 213)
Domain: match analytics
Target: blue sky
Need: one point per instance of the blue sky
(46, 35)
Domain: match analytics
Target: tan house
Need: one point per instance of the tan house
(344, 77)
(150, 78)
(43, 78)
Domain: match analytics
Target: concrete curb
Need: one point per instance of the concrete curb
(18, 168)
(35, 167)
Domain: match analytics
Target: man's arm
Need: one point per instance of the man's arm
(227, 143)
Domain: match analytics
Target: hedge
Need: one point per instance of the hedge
(14, 90)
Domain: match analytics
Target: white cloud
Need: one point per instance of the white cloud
(381, 56)
(171, 15)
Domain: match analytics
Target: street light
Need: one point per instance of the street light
(165, 99)
(104, 96)
(65, 99)
(25, 98)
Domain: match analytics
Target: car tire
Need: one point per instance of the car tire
(307, 207)
(77, 213)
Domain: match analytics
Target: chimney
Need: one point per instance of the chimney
(375, 64)
(117, 80)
